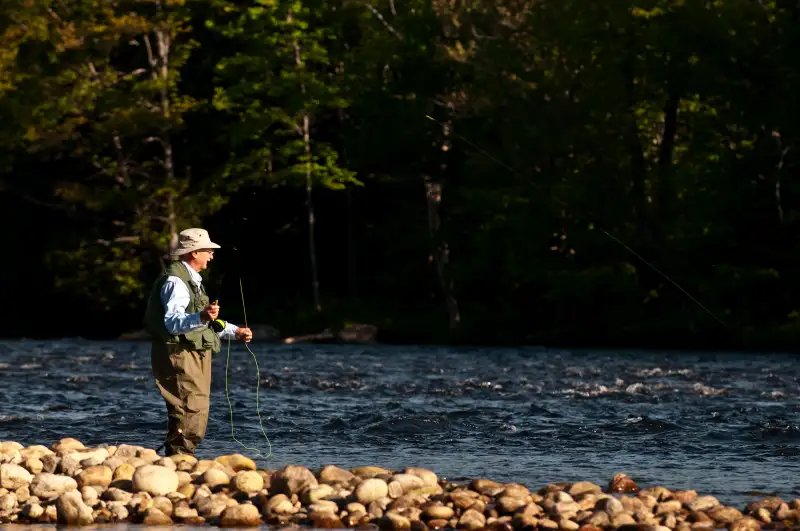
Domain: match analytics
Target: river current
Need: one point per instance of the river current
(721, 423)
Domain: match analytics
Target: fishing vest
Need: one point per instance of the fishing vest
(202, 339)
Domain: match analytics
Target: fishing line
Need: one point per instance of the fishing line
(614, 238)
(258, 384)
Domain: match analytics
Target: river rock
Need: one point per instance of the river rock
(23, 494)
(71, 510)
(183, 478)
(89, 496)
(484, 485)
(33, 465)
(333, 474)
(725, 515)
(116, 494)
(313, 494)
(622, 483)
(366, 472)
(292, 479)
(704, 503)
(155, 480)
(237, 462)
(248, 481)
(50, 462)
(32, 511)
(214, 477)
(438, 512)
(610, 505)
(35, 451)
(155, 517)
(212, 506)
(10, 455)
(408, 481)
(123, 472)
(127, 450)
(472, 519)
(46, 485)
(428, 477)
(204, 464)
(583, 487)
(163, 504)
(509, 504)
(183, 511)
(148, 454)
(245, 515)
(67, 445)
(166, 462)
(13, 476)
(8, 502)
(370, 490)
(280, 504)
(99, 475)
(325, 520)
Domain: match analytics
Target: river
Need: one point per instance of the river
(721, 423)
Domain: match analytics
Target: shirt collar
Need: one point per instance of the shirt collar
(194, 274)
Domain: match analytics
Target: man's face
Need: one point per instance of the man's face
(203, 257)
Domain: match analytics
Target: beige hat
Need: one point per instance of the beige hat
(191, 240)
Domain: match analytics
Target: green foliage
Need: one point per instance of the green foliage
(591, 156)
(287, 44)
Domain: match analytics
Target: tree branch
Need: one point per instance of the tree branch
(378, 15)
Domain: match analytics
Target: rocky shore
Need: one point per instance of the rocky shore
(70, 484)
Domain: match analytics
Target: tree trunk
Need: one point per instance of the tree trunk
(645, 237)
(312, 247)
(352, 254)
(159, 68)
(441, 252)
(665, 151)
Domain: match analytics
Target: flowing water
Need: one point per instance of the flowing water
(720, 423)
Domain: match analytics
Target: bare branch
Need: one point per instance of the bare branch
(778, 183)
(120, 239)
(386, 24)
(150, 58)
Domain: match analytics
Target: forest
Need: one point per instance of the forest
(462, 172)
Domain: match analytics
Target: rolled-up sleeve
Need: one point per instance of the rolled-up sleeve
(175, 298)
(229, 331)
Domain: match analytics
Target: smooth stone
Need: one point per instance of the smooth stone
(237, 462)
(245, 515)
(155, 480)
(46, 485)
(71, 510)
(14, 476)
(370, 490)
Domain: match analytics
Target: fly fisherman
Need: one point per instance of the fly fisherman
(179, 317)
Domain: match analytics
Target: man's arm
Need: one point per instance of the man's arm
(175, 298)
(229, 331)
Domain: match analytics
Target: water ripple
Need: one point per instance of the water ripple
(721, 423)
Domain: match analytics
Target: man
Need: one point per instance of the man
(179, 317)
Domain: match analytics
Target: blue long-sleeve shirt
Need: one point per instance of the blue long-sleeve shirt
(175, 298)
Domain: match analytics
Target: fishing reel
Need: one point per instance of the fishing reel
(217, 325)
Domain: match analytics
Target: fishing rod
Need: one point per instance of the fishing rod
(578, 214)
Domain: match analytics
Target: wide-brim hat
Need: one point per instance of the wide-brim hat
(193, 240)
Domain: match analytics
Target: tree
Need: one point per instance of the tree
(280, 85)
(98, 85)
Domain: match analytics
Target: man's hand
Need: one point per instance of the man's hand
(244, 334)
(210, 312)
